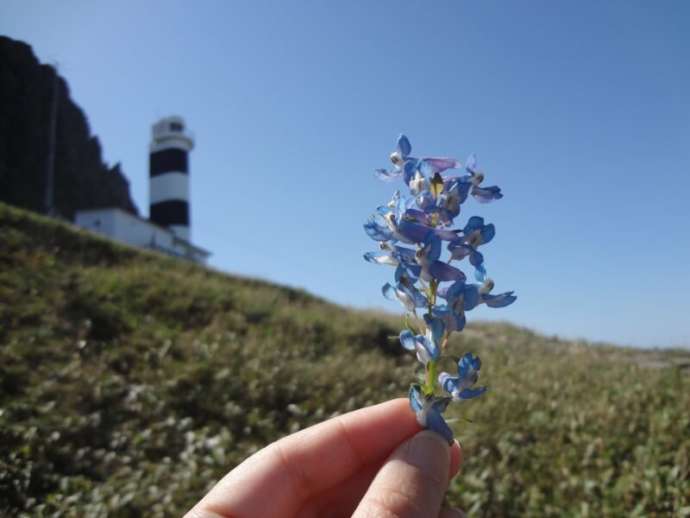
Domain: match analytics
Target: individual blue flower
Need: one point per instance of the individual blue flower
(428, 345)
(419, 216)
(385, 226)
(396, 205)
(435, 329)
(408, 230)
(460, 297)
(412, 232)
(407, 166)
(499, 301)
(418, 184)
(486, 194)
(377, 229)
(460, 387)
(429, 412)
(459, 250)
(495, 301)
(453, 320)
(409, 296)
(450, 199)
(481, 194)
(432, 166)
(407, 274)
(401, 164)
(391, 255)
(426, 349)
(432, 268)
(391, 223)
(476, 233)
(465, 297)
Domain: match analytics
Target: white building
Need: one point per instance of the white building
(168, 227)
(127, 228)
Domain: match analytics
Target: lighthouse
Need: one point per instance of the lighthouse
(169, 175)
(167, 229)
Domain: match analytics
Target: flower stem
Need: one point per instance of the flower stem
(430, 385)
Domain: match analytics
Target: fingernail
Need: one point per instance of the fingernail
(429, 452)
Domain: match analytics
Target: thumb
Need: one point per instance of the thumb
(412, 482)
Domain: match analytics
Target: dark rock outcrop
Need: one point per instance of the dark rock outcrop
(81, 179)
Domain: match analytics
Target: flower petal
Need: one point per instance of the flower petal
(403, 146)
(488, 233)
(416, 399)
(486, 194)
(413, 232)
(434, 419)
(445, 234)
(499, 301)
(445, 272)
(407, 273)
(432, 248)
(452, 292)
(459, 250)
(474, 223)
(471, 164)
(476, 258)
(468, 369)
(409, 296)
(407, 339)
(416, 296)
(380, 258)
(404, 255)
(418, 215)
(452, 320)
(377, 231)
(433, 165)
(447, 381)
(387, 176)
(434, 334)
(470, 393)
(471, 297)
(409, 168)
(480, 273)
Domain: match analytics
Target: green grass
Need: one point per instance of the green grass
(130, 382)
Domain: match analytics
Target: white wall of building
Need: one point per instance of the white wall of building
(127, 228)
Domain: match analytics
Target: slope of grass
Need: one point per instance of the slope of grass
(130, 382)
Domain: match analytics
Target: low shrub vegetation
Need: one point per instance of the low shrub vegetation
(130, 382)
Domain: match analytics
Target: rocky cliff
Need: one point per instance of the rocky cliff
(81, 179)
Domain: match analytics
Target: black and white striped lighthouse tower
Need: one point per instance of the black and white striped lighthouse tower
(169, 175)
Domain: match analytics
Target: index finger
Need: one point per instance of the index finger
(277, 480)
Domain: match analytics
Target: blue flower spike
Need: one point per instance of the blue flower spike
(410, 231)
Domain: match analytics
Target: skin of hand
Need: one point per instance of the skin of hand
(373, 462)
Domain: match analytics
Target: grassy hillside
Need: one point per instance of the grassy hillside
(129, 382)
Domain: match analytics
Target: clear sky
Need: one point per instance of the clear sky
(579, 111)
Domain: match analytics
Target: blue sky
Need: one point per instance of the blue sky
(580, 111)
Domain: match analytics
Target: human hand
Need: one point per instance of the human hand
(373, 462)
